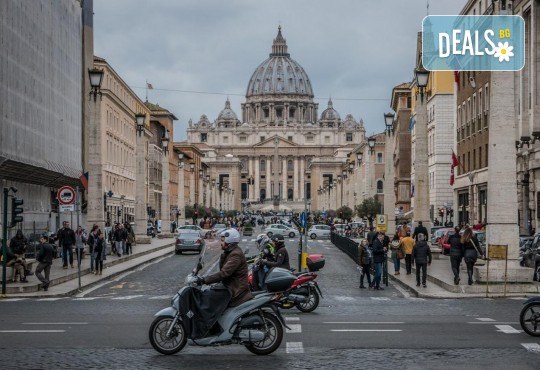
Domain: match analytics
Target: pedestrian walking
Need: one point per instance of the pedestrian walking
(421, 255)
(420, 230)
(397, 252)
(92, 239)
(99, 250)
(408, 244)
(456, 253)
(130, 239)
(471, 251)
(80, 241)
(378, 259)
(45, 259)
(120, 237)
(364, 261)
(66, 240)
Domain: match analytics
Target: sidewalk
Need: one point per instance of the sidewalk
(440, 283)
(65, 281)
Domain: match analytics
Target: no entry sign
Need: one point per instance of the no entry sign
(66, 195)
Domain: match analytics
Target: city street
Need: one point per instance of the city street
(106, 327)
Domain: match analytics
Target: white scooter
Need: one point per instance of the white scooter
(202, 317)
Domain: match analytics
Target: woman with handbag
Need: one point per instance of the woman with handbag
(397, 252)
(364, 262)
(471, 251)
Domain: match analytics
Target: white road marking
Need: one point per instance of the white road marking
(50, 299)
(484, 319)
(88, 298)
(365, 330)
(295, 347)
(321, 241)
(244, 240)
(327, 248)
(253, 240)
(161, 297)
(531, 347)
(380, 298)
(342, 298)
(12, 299)
(403, 292)
(492, 323)
(365, 322)
(507, 329)
(294, 328)
(127, 297)
(54, 323)
(291, 318)
(32, 331)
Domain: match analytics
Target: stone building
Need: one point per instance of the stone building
(41, 95)
(280, 150)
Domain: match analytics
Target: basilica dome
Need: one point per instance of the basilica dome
(330, 114)
(279, 74)
(227, 114)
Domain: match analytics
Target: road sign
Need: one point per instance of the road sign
(67, 207)
(303, 219)
(380, 223)
(66, 195)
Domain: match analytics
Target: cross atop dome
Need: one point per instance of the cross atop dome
(279, 47)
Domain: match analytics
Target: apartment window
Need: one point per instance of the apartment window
(409, 103)
(474, 159)
(486, 97)
(279, 112)
(327, 139)
(204, 137)
(379, 187)
(487, 152)
(458, 116)
(291, 112)
(225, 139)
(289, 138)
(290, 165)
(480, 157)
(266, 112)
(469, 161)
(263, 165)
(263, 138)
(348, 136)
(474, 106)
(243, 139)
(379, 158)
(309, 138)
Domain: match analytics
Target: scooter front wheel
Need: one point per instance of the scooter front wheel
(162, 343)
(272, 339)
(529, 319)
(312, 301)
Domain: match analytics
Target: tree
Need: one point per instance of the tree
(345, 212)
(368, 209)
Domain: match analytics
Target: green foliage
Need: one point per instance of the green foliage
(345, 212)
(369, 207)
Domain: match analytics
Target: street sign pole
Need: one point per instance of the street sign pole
(4, 240)
(304, 250)
(81, 251)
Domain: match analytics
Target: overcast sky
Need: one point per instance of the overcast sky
(350, 49)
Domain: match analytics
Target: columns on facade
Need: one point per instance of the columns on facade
(295, 180)
(302, 178)
(257, 176)
(192, 175)
(269, 193)
(96, 207)
(284, 178)
(165, 186)
(251, 173)
(181, 200)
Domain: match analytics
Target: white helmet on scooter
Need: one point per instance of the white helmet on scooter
(231, 236)
(260, 238)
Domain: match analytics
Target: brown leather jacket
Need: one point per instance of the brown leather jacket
(233, 272)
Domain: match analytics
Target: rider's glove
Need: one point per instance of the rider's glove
(199, 280)
(264, 262)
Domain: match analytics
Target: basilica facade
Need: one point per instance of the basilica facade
(280, 151)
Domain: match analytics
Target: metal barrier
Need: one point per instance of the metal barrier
(350, 248)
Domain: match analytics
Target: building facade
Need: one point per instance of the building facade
(41, 95)
(283, 149)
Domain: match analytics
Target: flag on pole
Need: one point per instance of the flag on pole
(84, 180)
(455, 163)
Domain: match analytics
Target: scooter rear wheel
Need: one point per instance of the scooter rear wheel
(312, 302)
(158, 335)
(272, 339)
(529, 319)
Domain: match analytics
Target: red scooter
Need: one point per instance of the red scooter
(304, 292)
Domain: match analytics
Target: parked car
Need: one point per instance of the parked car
(202, 232)
(340, 229)
(436, 234)
(188, 240)
(319, 231)
(218, 228)
(280, 229)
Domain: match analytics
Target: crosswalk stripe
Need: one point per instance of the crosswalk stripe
(50, 299)
(160, 297)
(294, 328)
(127, 297)
(380, 298)
(294, 347)
(484, 319)
(532, 347)
(291, 318)
(507, 329)
(12, 299)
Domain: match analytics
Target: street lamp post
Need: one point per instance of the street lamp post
(421, 190)
(96, 207)
(181, 200)
(165, 186)
(389, 194)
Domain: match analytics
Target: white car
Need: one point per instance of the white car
(319, 231)
(202, 232)
(275, 229)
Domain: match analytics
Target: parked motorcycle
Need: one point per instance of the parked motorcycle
(200, 317)
(529, 318)
(303, 292)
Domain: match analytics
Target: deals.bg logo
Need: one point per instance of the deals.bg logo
(473, 43)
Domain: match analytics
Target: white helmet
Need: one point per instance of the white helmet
(231, 236)
(260, 238)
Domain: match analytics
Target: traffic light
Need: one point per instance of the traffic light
(441, 212)
(119, 213)
(16, 210)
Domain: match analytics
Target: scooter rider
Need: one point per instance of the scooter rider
(267, 253)
(282, 256)
(233, 269)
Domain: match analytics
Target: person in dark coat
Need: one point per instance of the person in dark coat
(17, 263)
(456, 253)
(371, 236)
(99, 252)
(233, 269)
(420, 230)
(364, 261)
(18, 244)
(379, 253)
(66, 240)
(281, 258)
(471, 251)
(422, 257)
(45, 259)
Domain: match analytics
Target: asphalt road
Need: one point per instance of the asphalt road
(107, 327)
